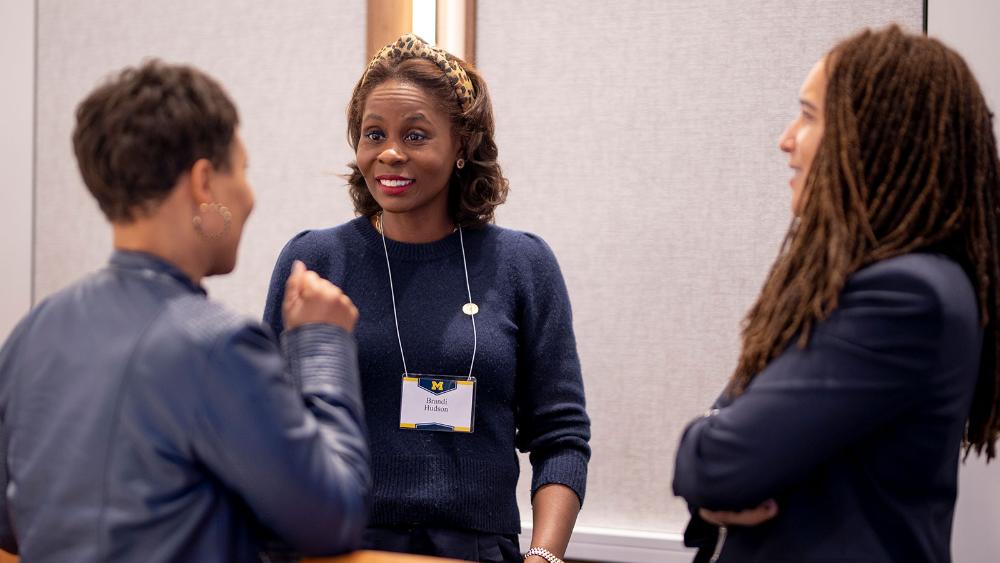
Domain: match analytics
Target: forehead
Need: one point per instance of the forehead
(814, 87)
(395, 99)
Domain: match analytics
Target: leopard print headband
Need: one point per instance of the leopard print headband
(410, 46)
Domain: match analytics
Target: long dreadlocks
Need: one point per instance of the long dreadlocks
(908, 161)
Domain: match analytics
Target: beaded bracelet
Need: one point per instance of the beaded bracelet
(544, 554)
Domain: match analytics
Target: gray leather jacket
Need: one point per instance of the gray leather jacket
(140, 421)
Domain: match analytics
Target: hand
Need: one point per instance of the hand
(750, 517)
(312, 299)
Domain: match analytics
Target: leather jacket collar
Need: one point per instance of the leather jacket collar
(142, 262)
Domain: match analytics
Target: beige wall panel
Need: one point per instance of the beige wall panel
(970, 27)
(17, 98)
(289, 66)
(640, 138)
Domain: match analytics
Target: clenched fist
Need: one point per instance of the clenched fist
(312, 299)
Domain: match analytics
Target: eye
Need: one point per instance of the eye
(415, 136)
(374, 135)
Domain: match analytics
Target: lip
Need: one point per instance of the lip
(795, 174)
(391, 184)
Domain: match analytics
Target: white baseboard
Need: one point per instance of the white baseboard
(610, 545)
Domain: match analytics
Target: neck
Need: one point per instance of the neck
(416, 228)
(144, 235)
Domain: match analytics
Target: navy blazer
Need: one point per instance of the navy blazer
(140, 421)
(857, 436)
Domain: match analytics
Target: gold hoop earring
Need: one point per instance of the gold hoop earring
(223, 212)
(460, 163)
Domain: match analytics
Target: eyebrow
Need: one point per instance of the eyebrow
(415, 117)
(808, 104)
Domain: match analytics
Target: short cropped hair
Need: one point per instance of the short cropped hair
(140, 131)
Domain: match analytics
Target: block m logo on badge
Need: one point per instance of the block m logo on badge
(436, 386)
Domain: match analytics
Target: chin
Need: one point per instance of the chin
(222, 267)
(796, 203)
(392, 206)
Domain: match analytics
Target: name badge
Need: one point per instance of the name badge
(445, 403)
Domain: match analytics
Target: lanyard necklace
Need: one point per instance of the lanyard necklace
(469, 308)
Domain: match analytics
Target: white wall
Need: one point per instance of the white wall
(970, 27)
(312, 55)
(17, 96)
(640, 139)
(290, 69)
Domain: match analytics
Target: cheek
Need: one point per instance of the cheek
(811, 145)
(440, 167)
(364, 157)
(245, 192)
(251, 200)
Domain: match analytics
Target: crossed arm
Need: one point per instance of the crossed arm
(863, 366)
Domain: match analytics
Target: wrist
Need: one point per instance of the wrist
(536, 553)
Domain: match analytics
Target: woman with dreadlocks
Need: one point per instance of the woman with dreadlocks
(870, 357)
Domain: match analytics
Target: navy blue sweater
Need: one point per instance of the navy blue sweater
(529, 387)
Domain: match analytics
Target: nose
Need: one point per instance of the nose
(786, 142)
(392, 155)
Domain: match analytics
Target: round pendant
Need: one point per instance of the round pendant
(470, 308)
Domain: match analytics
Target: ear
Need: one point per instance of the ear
(200, 183)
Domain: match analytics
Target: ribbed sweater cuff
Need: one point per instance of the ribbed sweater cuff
(323, 360)
(564, 467)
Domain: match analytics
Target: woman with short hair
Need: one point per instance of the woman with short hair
(142, 421)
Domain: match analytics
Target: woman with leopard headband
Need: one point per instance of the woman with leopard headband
(465, 335)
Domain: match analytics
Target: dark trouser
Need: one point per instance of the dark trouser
(444, 542)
